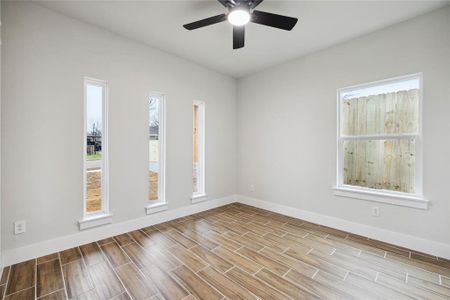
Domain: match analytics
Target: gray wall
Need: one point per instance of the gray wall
(287, 125)
(45, 56)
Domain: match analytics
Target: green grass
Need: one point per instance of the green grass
(95, 156)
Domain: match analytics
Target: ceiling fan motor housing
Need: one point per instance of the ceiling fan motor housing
(243, 4)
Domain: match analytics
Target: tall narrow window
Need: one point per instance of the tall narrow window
(95, 148)
(380, 138)
(198, 151)
(156, 148)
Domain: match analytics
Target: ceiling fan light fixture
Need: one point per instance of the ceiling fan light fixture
(238, 17)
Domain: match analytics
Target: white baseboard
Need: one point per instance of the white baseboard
(16, 255)
(396, 238)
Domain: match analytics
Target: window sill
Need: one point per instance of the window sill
(156, 207)
(95, 220)
(199, 198)
(383, 197)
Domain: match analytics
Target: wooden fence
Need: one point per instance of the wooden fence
(381, 163)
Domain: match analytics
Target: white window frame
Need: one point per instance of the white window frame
(94, 219)
(200, 195)
(161, 203)
(415, 200)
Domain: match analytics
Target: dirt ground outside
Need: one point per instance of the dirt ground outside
(153, 181)
(93, 194)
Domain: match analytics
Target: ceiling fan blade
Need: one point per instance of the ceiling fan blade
(256, 3)
(205, 22)
(273, 20)
(238, 37)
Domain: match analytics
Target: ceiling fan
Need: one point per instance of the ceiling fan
(240, 12)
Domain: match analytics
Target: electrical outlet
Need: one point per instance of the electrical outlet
(375, 211)
(20, 227)
(252, 187)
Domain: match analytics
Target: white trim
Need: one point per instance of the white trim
(156, 207)
(95, 221)
(16, 255)
(105, 158)
(162, 146)
(386, 196)
(197, 198)
(392, 237)
(395, 198)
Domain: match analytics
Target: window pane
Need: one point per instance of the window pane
(380, 164)
(154, 147)
(196, 168)
(94, 130)
(387, 113)
(198, 156)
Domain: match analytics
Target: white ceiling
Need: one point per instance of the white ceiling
(321, 24)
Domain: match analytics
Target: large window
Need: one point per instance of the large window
(156, 148)
(95, 148)
(379, 137)
(198, 158)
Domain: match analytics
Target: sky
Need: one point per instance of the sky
(154, 109)
(93, 106)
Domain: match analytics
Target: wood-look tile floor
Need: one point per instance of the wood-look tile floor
(232, 252)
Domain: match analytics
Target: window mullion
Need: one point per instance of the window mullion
(380, 137)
